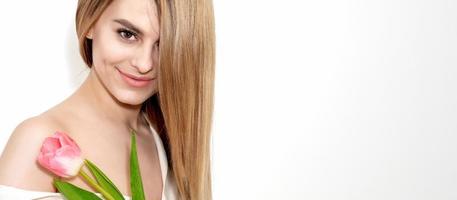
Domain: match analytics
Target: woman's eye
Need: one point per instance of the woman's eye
(127, 35)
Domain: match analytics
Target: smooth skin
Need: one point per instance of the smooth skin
(100, 113)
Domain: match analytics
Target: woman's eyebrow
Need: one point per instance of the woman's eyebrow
(129, 25)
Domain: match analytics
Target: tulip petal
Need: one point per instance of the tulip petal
(61, 155)
(68, 151)
(65, 140)
(50, 144)
(57, 168)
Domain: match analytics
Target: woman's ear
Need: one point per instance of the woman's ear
(89, 34)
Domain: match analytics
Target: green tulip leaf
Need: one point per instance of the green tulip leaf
(104, 181)
(72, 192)
(136, 185)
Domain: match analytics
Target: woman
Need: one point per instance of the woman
(163, 90)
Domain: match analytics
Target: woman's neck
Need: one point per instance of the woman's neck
(103, 104)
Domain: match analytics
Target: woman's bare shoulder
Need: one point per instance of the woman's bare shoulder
(18, 162)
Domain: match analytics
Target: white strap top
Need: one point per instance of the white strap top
(169, 190)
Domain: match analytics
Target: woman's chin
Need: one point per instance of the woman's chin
(131, 99)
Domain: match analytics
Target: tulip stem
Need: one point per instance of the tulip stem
(95, 185)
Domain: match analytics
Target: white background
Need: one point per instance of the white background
(315, 100)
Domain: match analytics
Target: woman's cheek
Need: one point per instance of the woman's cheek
(115, 52)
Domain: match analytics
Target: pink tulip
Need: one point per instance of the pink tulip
(61, 155)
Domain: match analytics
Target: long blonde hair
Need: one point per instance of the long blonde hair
(183, 106)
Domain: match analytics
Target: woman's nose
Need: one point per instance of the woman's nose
(144, 60)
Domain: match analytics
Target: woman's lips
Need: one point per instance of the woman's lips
(134, 80)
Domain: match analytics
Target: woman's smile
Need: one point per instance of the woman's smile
(133, 80)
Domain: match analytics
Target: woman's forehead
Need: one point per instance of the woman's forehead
(143, 14)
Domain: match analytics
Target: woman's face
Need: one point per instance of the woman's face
(125, 49)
